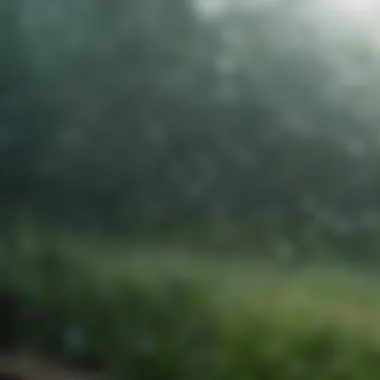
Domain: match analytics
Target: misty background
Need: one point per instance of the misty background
(251, 124)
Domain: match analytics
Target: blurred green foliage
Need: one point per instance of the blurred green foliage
(161, 120)
(182, 320)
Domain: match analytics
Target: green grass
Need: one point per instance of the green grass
(169, 314)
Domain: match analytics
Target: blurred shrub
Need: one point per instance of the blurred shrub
(169, 326)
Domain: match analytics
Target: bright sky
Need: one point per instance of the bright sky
(360, 6)
(335, 16)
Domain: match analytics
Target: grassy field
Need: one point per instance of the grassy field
(149, 313)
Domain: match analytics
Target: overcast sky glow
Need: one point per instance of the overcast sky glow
(358, 7)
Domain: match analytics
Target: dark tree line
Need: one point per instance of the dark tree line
(162, 117)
